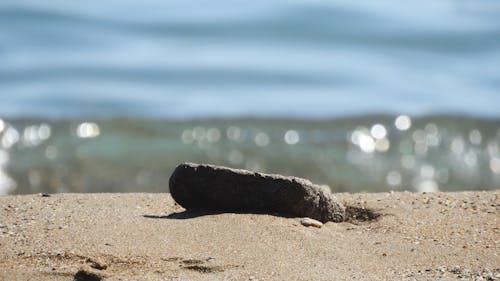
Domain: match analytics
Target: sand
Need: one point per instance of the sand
(444, 236)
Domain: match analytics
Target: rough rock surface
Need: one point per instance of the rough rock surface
(219, 188)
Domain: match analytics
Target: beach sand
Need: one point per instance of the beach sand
(417, 236)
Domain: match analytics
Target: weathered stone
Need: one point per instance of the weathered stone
(219, 188)
(311, 222)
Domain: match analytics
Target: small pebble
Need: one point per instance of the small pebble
(456, 270)
(44, 194)
(311, 222)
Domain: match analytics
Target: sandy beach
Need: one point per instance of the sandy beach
(138, 236)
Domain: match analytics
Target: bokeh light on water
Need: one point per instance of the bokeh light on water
(376, 153)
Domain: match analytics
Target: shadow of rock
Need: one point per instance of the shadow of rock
(187, 214)
(353, 214)
(195, 213)
(85, 275)
(359, 214)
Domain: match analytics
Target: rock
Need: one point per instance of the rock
(198, 186)
(311, 222)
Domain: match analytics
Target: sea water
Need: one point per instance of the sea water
(362, 96)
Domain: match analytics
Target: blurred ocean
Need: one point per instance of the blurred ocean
(360, 95)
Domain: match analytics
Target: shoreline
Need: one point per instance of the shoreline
(147, 236)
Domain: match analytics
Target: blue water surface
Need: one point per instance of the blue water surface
(298, 59)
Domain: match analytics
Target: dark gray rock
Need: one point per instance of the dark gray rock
(198, 186)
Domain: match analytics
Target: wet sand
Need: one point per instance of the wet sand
(140, 236)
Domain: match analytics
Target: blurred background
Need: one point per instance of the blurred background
(109, 96)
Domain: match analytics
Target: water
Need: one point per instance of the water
(374, 153)
(111, 96)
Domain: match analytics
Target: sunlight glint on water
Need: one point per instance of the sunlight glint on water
(363, 154)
